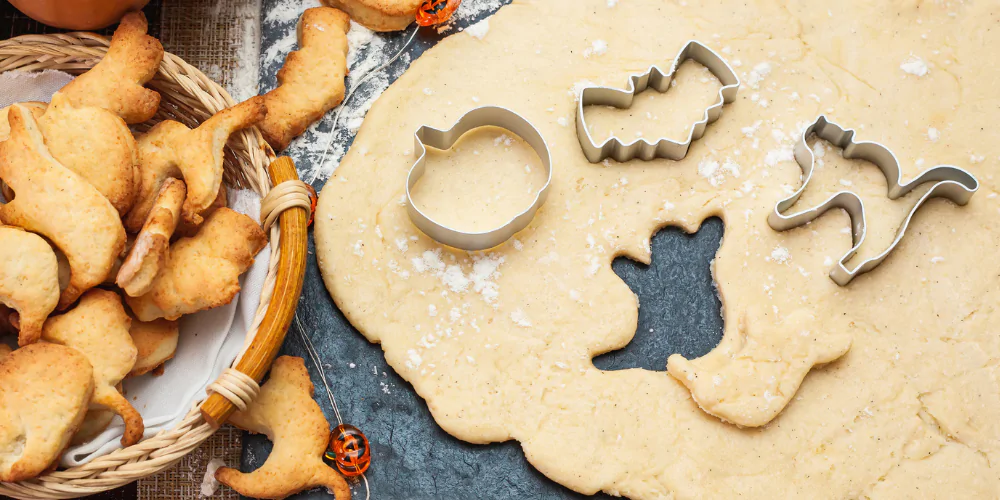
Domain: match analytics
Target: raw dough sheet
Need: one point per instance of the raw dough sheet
(500, 343)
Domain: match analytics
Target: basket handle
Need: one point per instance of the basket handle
(259, 355)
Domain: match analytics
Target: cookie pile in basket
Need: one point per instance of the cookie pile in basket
(106, 239)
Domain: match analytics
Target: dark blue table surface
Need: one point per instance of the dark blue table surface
(412, 458)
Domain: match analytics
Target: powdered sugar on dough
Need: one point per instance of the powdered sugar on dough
(909, 411)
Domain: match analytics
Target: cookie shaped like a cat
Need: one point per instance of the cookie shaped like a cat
(286, 412)
(44, 393)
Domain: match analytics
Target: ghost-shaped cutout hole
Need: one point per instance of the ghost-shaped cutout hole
(488, 177)
(655, 115)
(679, 307)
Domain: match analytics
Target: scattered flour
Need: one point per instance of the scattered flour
(479, 30)
(208, 483)
(780, 255)
(914, 66)
(520, 318)
(597, 47)
(481, 279)
(757, 74)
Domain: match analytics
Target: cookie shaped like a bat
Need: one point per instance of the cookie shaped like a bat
(171, 150)
(287, 414)
(156, 343)
(116, 83)
(29, 280)
(312, 80)
(750, 383)
(98, 327)
(202, 272)
(151, 247)
(44, 393)
(60, 205)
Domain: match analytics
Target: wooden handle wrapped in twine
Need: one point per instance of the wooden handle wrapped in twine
(288, 203)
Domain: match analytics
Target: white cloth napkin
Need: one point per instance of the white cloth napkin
(209, 340)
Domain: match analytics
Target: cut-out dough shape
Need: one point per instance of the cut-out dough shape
(116, 83)
(655, 78)
(287, 414)
(152, 245)
(171, 150)
(98, 327)
(44, 392)
(951, 182)
(379, 15)
(312, 80)
(750, 383)
(156, 343)
(202, 272)
(29, 280)
(55, 202)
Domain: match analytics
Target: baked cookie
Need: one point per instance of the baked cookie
(37, 110)
(149, 251)
(202, 272)
(99, 328)
(156, 343)
(29, 280)
(379, 15)
(4, 351)
(116, 83)
(312, 80)
(286, 412)
(44, 392)
(60, 205)
(94, 143)
(171, 150)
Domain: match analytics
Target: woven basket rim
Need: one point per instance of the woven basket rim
(188, 96)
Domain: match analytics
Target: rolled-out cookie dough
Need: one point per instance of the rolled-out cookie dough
(499, 343)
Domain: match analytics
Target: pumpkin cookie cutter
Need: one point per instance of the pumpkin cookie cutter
(445, 139)
(951, 182)
(660, 81)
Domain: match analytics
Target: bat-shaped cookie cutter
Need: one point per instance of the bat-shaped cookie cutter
(445, 139)
(951, 182)
(659, 80)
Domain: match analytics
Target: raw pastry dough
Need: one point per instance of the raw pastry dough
(500, 343)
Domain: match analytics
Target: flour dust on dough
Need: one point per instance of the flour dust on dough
(500, 343)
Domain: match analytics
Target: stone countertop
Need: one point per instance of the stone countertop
(412, 458)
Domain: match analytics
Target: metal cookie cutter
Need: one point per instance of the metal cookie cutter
(951, 182)
(445, 139)
(657, 79)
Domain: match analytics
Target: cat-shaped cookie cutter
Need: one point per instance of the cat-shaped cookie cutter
(951, 182)
(659, 80)
(445, 139)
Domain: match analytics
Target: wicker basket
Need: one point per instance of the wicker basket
(190, 97)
